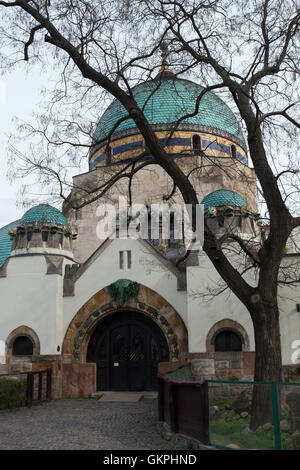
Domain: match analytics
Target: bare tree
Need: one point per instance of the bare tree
(248, 50)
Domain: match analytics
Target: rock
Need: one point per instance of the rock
(166, 426)
(296, 440)
(230, 415)
(233, 446)
(244, 414)
(246, 430)
(242, 402)
(288, 443)
(267, 426)
(284, 426)
(293, 401)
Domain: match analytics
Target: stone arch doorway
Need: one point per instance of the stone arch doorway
(147, 303)
(127, 347)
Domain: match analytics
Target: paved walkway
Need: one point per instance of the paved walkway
(83, 424)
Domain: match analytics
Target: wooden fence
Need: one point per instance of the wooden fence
(38, 385)
(184, 406)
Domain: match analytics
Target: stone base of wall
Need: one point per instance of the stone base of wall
(187, 443)
(292, 373)
(79, 380)
(68, 380)
(228, 365)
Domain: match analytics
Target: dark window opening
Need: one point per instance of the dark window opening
(238, 221)
(108, 154)
(128, 259)
(29, 236)
(45, 236)
(228, 341)
(233, 151)
(196, 143)
(221, 220)
(173, 242)
(23, 346)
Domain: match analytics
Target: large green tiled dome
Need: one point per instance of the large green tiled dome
(44, 213)
(223, 197)
(171, 98)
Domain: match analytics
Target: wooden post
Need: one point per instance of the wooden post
(40, 386)
(205, 412)
(29, 389)
(49, 384)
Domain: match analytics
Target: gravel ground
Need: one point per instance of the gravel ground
(83, 424)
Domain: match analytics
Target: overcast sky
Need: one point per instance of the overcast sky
(19, 94)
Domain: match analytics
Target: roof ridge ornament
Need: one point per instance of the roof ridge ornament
(164, 63)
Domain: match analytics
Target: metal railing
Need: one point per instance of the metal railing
(220, 412)
(231, 422)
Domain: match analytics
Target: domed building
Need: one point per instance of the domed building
(105, 312)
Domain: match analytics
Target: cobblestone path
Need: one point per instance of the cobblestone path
(83, 424)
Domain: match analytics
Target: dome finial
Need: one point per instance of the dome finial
(164, 55)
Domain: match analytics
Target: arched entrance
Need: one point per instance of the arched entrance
(146, 304)
(127, 347)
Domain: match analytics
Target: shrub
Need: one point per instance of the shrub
(12, 392)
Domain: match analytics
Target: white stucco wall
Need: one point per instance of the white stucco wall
(288, 299)
(32, 298)
(145, 269)
(204, 312)
(35, 299)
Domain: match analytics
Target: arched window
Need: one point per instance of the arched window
(108, 154)
(22, 346)
(196, 143)
(233, 151)
(228, 341)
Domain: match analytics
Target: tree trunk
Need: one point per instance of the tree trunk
(268, 363)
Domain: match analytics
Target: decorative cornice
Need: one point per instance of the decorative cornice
(167, 127)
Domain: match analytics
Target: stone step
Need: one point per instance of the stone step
(121, 397)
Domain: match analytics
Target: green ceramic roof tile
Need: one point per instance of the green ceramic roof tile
(44, 213)
(5, 241)
(223, 197)
(171, 99)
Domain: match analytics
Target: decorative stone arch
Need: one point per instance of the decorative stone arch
(225, 325)
(22, 331)
(101, 305)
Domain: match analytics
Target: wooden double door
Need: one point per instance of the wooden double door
(127, 348)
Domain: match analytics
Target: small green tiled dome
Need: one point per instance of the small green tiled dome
(171, 99)
(5, 241)
(223, 197)
(44, 213)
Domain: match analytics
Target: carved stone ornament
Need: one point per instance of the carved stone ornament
(123, 289)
